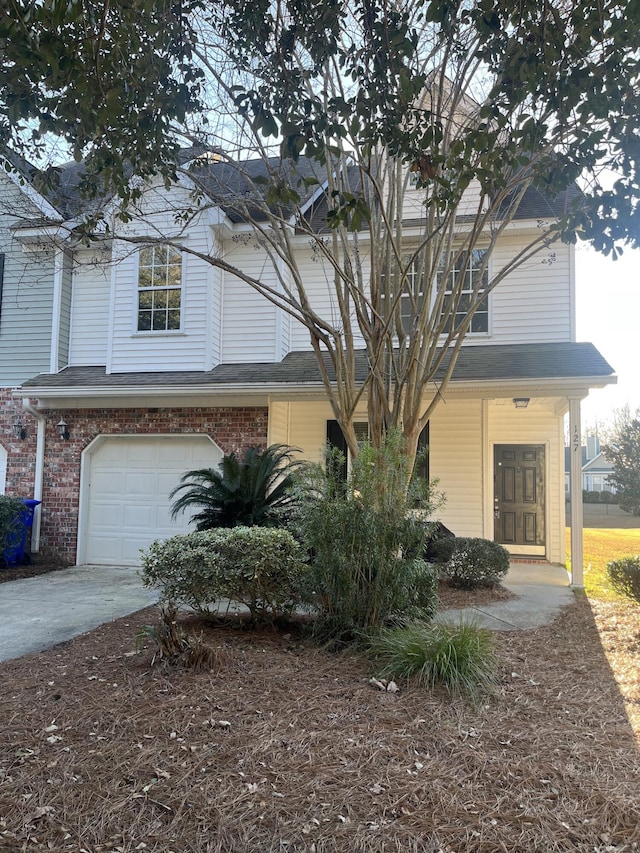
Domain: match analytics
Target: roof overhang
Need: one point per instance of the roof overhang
(558, 371)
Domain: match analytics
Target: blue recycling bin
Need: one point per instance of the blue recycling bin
(15, 551)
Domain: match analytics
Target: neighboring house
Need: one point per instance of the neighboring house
(595, 468)
(137, 364)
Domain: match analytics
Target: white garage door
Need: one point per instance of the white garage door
(127, 492)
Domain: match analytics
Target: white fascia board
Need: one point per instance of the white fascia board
(45, 207)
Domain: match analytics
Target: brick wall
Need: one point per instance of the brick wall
(233, 429)
(21, 453)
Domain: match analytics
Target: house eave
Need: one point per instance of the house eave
(254, 394)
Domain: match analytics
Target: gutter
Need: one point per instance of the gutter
(39, 472)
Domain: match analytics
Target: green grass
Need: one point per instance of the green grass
(601, 545)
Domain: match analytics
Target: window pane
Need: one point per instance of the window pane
(173, 298)
(145, 299)
(173, 319)
(144, 321)
(159, 321)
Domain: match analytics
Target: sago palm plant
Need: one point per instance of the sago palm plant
(254, 490)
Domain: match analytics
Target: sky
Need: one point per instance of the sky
(608, 315)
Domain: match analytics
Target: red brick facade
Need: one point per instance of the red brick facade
(21, 453)
(232, 429)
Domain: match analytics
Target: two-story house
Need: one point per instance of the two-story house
(154, 361)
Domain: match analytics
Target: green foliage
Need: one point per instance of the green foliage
(475, 563)
(260, 568)
(366, 537)
(256, 490)
(12, 524)
(459, 658)
(108, 80)
(624, 575)
(623, 451)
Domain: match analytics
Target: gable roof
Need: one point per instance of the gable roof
(233, 184)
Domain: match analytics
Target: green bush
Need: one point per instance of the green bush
(12, 513)
(256, 566)
(475, 563)
(441, 550)
(365, 538)
(606, 497)
(459, 658)
(624, 575)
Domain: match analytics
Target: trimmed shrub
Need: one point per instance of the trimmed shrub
(606, 497)
(475, 563)
(624, 575)
(459, 658)
(256, 566)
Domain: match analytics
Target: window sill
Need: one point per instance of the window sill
(153, 333)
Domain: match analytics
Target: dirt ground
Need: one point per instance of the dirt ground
(285, 747)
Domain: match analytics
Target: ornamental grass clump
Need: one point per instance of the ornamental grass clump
(458, 658)
(624, 576)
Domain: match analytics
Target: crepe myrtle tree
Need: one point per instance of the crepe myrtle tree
(310, 121)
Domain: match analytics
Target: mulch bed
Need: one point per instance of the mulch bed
(39, 565)
(289, 748)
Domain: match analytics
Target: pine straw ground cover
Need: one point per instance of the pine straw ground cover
(289, 748)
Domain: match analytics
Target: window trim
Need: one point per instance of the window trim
(137, 332)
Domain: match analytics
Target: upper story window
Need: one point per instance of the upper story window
(459, 282)
(159, 289)
(463, 281)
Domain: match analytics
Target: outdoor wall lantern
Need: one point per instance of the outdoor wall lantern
(63, 429)
(19, 430)
(521, 402)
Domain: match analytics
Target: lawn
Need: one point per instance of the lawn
(601, 545)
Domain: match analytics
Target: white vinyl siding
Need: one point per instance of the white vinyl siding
(90, 308)
(318, 277)
(192, 347)
(533, 304)
(251, 328)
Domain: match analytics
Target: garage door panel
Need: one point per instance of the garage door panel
(128, 486)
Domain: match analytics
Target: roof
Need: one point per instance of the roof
(233, 185)
(299, 369)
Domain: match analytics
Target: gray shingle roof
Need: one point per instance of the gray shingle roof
(475, 364)
(234, 185)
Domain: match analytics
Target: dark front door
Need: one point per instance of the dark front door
(519, 498)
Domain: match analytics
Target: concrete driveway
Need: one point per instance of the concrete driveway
(36, 613)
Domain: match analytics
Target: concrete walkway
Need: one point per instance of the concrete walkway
(37, 613)
(542, 591)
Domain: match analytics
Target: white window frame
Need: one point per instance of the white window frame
(159, 288)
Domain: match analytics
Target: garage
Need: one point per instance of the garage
(126, 481)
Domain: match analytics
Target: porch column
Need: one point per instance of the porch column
(575, 481)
